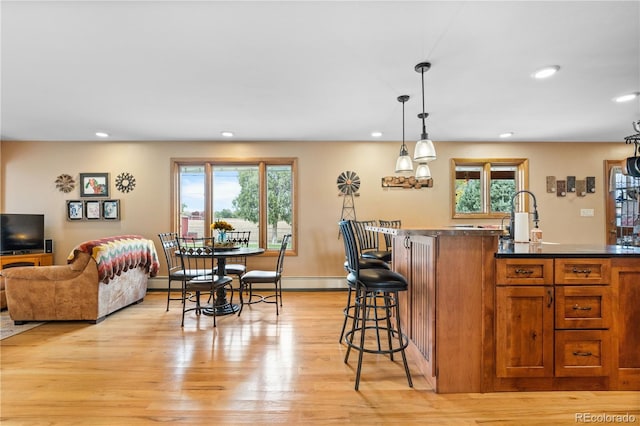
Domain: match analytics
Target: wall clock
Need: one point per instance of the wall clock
(125, 182)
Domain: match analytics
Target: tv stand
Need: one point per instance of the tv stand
(26, 259)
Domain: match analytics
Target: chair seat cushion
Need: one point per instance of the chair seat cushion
(258, 276)
(235, 269)
(379, 279)
(377, 254)
(179, 274)
(370, 263)
(204, 279)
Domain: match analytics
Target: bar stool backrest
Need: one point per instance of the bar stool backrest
(367, 240)
(350, 246)
(388, 238)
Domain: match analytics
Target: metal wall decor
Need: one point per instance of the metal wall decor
(65, 183)
(125, 182)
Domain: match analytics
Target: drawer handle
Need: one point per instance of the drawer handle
(524, 271)
(581, 271)
(576, 353)
(581, 308)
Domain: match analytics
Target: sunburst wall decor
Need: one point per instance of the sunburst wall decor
(65, 183)
(125, 182)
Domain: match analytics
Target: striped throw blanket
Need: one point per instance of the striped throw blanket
(115, 255)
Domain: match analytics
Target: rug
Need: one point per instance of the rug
(8, 328)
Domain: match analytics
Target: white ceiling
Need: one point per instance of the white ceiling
(323, 70)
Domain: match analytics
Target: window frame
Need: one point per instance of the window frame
(522, 183)
(261, 163)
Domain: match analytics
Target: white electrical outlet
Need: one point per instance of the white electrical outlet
(586, 212)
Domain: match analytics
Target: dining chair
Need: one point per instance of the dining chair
(175, 270)
(237, 265)
(368, 241)
(388, 238)
(197, 255)
(265, 277)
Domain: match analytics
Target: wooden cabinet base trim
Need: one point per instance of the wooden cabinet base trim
(551, 384)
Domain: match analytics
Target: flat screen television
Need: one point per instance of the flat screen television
(21, 233)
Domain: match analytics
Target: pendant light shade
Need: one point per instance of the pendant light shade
(424, 151)
(403, 163)
(423, 171)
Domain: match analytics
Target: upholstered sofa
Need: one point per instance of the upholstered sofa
(100, 277)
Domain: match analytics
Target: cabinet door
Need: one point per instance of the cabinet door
(422, 301)
(524, 331)
(401, 265)
(625, 283)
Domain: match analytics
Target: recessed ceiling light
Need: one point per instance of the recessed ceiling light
(626, 98)
(102, 134)
(545, 72)
(227, 134)
(506, 135)
(376, 134)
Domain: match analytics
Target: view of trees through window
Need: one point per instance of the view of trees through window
(238, 194)
(485, 188)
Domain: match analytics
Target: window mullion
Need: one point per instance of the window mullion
(486, 188)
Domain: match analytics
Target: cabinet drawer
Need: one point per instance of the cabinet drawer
(524, 271)
(582, 271)
(582, 353)
(580, 307)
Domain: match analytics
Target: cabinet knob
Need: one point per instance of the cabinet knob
(524, 271)
(578, 353)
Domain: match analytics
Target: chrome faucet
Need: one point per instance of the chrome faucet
(512, 219)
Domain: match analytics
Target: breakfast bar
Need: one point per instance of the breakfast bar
(486, 315)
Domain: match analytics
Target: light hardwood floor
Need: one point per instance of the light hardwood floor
(139, 367)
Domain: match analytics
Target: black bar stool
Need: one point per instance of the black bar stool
(373, 285)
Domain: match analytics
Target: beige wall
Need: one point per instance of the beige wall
(29, 170)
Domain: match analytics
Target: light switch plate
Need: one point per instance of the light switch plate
(586, 212)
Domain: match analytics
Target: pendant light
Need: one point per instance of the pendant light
(425, 151)
(403, 163)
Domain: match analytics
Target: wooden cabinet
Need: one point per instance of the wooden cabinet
(554, 322)
(450, 274)
(414, 257)
(625, 289)
(524, 331)
(32, 259)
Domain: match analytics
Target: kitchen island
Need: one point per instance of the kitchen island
(484, 316)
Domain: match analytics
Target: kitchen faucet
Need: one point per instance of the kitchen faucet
(512, 219)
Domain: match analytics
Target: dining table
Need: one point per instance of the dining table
(221, 305)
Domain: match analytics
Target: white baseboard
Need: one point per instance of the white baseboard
(288, 283)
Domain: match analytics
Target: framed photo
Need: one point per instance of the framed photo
(75, 210)
(92, 209)
(111, 209)
(94, 185)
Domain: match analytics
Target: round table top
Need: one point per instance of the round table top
(240, 251)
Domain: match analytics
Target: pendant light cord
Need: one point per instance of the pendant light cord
(424, 127)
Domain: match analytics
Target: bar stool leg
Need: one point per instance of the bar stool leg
(402, 341)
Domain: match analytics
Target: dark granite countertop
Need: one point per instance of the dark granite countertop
(515, 250)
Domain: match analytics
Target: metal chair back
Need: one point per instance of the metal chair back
(367, 240)
(388, 238)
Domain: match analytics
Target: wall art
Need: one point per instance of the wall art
(94, 185)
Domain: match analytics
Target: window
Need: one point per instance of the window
(483, 188)
(252, 195)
